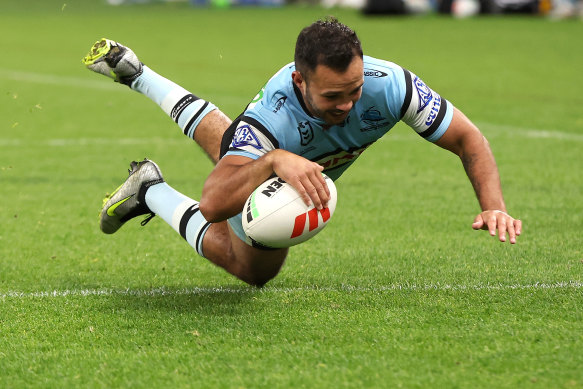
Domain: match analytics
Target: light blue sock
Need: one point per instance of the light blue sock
(180, 212)
(186, 109)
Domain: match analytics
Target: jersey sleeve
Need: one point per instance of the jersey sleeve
(247, 137)
(424, 110)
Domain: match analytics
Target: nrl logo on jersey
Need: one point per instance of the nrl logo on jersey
(244, 136)
(306, 133)
(424, 93)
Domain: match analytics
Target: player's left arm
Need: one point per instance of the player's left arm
(464, 139)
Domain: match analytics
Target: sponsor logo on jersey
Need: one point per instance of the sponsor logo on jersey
(306, 133)
(340, 158)
(244, 136)
(279, 103)
(312, 216)
(374, 73)
(434, 111)
(372, 119)
(423, 92)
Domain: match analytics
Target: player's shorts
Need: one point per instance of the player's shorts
(236, 223)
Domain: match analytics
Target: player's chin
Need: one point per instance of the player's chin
(336, 118)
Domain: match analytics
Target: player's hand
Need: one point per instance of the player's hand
(304, 175)
(497, 220)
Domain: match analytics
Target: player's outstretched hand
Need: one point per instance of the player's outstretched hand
(501, 221)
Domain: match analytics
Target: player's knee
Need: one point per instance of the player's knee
(259, 279)
(260, 272)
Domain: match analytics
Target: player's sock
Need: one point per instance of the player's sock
(186, 109)
(180, 212)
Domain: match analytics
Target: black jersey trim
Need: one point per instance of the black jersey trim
(200, 235)
(230, 132)
(181, 105)
(408, 93)
(301, 100)
(191, 121)
(186, 218)
(338, 150)
(440, 115)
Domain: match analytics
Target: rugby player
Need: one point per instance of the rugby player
(316, 114)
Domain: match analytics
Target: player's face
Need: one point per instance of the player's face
(330, 95)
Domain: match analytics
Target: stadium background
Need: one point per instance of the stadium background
(398, 291)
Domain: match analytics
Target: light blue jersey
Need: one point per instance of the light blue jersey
(277, 118)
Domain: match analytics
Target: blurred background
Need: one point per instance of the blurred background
(554, 9)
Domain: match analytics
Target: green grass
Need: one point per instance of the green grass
(398, 291)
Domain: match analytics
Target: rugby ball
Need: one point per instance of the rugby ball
(275, 215)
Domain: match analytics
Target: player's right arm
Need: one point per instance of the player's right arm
(235, 177)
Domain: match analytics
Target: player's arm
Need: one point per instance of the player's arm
(235, 177)
(464, 139)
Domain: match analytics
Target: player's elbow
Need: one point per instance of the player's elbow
(211, 210)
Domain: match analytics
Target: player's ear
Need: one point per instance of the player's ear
(299, 80)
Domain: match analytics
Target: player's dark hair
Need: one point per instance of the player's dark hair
(326, 42)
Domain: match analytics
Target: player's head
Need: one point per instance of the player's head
(326, 42)
(329, 69)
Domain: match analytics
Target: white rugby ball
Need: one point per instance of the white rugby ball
(275, 215)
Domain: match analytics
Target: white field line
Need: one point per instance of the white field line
(158, 292)
(491, 129)
(499, 130)
(52, 79)
(91, 142)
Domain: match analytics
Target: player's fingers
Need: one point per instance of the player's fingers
(518, 226)
(322, 189)
(296, 182)
(511, 231)
(501, 223)
(312, 192)
(478, 222)
(492, 223)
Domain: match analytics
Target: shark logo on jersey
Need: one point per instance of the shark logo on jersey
(244, 136)
(424, 93)
(306, 132)
(372, 119)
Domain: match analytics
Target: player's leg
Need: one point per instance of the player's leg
(145, 192)
(214, 241)
(255, 266)
(187, 110)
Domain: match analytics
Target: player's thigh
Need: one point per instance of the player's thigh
(256, 259)
(209, 132)
(223, 247)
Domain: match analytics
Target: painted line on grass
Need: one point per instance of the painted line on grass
(101, 84)
(160, 292)
(53, 79)
(90, 142)
(76, 142)
(525, 132)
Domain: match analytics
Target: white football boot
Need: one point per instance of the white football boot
(129, 200)
(113, 60)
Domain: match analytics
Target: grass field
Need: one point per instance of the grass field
(398, 291)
